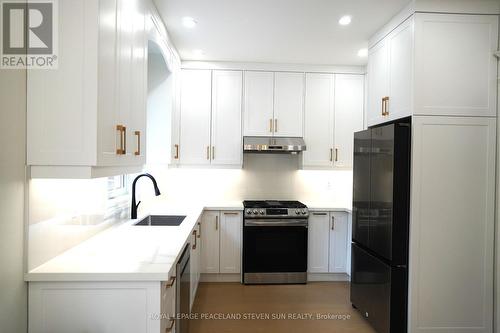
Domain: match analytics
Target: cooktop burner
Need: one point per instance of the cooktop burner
(273, 204)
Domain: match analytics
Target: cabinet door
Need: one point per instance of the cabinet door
(196, 95)
(137, 124)
(258, 104)
(210, 242)
(230, 242)
(226, 118)
(400, 53)
(288, 104)
(319, 237)
(377, 82)
(349, 100)
(338, 242)
(453, 224)
(319, 120)
(455, 70)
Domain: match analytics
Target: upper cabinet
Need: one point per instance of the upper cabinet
(390, 64)
(421, 68)
(210, 118)
(258, 105)
(333, 112)
(288, 104)
(273, 104)
(87, 118)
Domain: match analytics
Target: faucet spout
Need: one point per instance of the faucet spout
(133, 212)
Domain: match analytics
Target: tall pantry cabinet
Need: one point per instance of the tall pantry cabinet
(439, 69)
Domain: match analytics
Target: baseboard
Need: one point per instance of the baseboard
(317, 277)
(312, 277)
(210, 277)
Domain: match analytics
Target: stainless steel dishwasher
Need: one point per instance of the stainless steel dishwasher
(183, 291)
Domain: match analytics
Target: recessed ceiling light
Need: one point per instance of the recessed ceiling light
(363, 53)
(345, 20)
(189, 22)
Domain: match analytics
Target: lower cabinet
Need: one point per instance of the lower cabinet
(195, 262)
(328, 250)
(221, 242)
(117, 306)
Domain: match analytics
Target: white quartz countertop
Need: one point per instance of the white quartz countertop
(135, 253)
(124, 252)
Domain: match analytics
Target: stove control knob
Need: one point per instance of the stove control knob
(249, 211)
(297, 211)
(304, 212)
(261, 212)
(255, 211)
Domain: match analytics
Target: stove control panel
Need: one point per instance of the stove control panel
(277, 212)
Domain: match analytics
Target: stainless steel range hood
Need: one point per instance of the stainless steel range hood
(257, 144)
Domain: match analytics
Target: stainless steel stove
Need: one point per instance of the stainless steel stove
(274, 242)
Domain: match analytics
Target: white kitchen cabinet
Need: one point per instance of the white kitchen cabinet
(349, 92)
(421, 68)
(210, 226)
(319, 120)
(231, 229)
(195, 262)
(82, 117)
(127, 307)
(221, 233)
(226, 140)
(318, 242)
(288, 104)
(196, 99)
(452, 224)
(258, 103)
(338, 243)
(377, 82)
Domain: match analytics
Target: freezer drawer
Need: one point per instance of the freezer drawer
(379, 291)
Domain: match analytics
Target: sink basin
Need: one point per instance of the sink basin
(162, 220)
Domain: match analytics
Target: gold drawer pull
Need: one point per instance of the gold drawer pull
(331, 154)
(176, 157)
(275, 125)
(230, 213)
(169, 328)
(170, 282)
(194, 245)
(199, 230)
(319, 214)
(208, 152)
(385, 104)
(213, 153)
(270, 125)
(336, 155)
(123, 140)
(138, 152)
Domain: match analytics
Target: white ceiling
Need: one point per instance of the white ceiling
(278, 31)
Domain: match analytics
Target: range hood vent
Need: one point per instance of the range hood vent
(258, 144)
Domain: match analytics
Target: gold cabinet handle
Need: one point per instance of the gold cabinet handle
(170, 282)
(199, 230)
(270, 125)
(194, 245)
(208, 152)
(331, 154)
(138, 134)
(230, 213)
(122, 132)
(213, 153)
(336, 154)
(385, 103)
(276, 125)
(321, 214)
(216, 222)
(176, 151)
(169, 328)
(333, 222)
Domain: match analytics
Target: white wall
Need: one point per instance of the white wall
(13, 292)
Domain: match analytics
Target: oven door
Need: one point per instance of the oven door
(275, 251)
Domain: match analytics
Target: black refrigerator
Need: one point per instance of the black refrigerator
(380, 223)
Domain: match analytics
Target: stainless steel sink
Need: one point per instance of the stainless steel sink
(161, 220)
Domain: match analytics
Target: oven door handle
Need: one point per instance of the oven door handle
(276, 223)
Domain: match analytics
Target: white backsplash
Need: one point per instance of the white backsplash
(64, 213)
